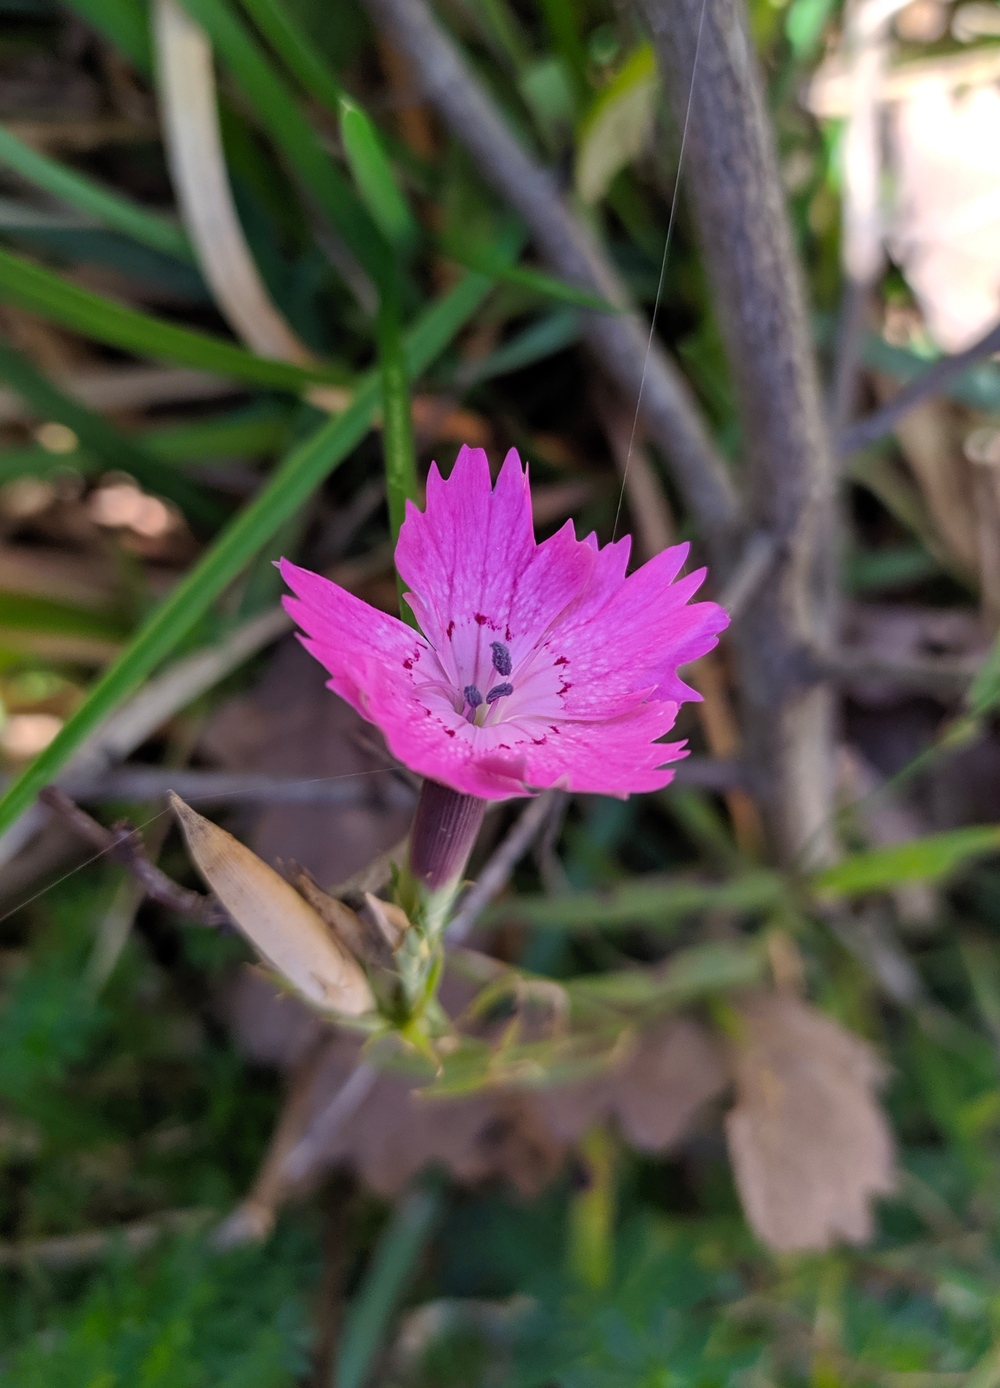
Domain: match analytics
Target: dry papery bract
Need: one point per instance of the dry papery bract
(809, 1143)
(285, 930)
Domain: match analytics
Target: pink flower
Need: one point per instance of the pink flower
(535, 665)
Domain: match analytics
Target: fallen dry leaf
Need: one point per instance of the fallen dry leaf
(946, 220)
(675, 1068)
(284, 929)
(809, 1143)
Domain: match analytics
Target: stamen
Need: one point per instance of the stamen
(472, 696)
(499, 691)
(501, 658)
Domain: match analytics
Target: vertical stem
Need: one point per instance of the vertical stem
(398, 448)
(707, 57)
(592, 1212)
(443, 835)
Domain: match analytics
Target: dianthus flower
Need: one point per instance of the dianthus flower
(535, 665)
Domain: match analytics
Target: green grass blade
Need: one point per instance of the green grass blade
(392, 1264)
(374, 178)
(115, 211)
(926, 859)
(295, 50)
(398, 451)
(655, 900)
(275, 107)
(32, 287)
(289, 487)
(488, 261)
(397, 423)
(101, 439)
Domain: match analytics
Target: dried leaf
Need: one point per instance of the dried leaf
(656, 1095)
(809, 1144)
(282, 927)
(947, 216)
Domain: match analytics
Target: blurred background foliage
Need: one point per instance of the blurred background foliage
(179, 351)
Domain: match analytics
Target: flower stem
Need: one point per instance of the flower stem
(444, 832)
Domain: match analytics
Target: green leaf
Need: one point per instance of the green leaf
(984, 693)
(617, 126)
(924, 859)
(111, 208)
(290, 485)
(653, 900)
(275, 107)
(374, 178)
(102, 439)
(690, 974)
(39, 290)
(296, 50)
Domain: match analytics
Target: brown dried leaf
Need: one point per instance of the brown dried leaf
(674, 1070)
(282, 927)
(809, 1143)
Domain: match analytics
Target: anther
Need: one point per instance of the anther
(472, 696)
(499, 691)
(501, 658)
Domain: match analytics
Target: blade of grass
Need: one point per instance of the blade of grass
(247, 434)
(101, 439)
(374, 179)
(295, 50)
(108, 207)
(487, 262)
(304, 469)
(274, 105)
(929, 858)
(392, 1263)
(398, 450)
(659, 901)
(32, 287)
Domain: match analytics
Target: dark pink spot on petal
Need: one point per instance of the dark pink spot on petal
(407, 664)
(451, 628)
(481, 620)
(563, 660)
(539, 741)
(506, 634)
(450, 732)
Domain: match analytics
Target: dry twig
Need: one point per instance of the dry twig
(125, 846)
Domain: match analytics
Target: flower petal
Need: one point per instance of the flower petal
(474, 570)
(347, 636)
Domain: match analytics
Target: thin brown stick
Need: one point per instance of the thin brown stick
(125, 846)
(621, 342)
(933, 381)
(711, 73)
(496, 874)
